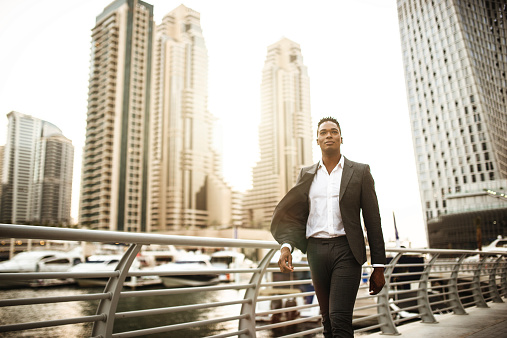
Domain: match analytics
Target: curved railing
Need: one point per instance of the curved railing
(420, 283)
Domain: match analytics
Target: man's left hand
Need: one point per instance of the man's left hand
(377, 281)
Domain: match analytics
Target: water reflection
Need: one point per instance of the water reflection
(32, 313)
(40, 312)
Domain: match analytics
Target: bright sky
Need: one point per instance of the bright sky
(351, 48)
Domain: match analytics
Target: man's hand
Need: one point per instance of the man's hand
(285, 261)
(377, 281)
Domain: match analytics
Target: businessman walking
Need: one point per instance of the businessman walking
(320, 215)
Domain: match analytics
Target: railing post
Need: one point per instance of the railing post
(493, 288)
(454, 300)
(251, 294)
(503, 276)
(422, 294)
(476, 285)
(114, 287)
(384, 310)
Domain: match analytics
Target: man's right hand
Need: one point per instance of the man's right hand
(285, 261)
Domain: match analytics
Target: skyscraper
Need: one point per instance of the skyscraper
(455, 60)
(37, 173)
(285, 132)
(52, 191)
(186, 188)
(114, 181)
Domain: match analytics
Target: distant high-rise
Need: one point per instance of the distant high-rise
(186, 188)
(285, 131)
(114, 179)
(52, 191)
(37, 173)
(454, 54)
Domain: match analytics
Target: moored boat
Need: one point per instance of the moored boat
(188, 270)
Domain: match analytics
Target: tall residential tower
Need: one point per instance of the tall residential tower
(114, 181)
(455, 59)
(37, 173)
(285, 132)
(186, 188)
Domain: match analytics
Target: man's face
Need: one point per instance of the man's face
(329, 137)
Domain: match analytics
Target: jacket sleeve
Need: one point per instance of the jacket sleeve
(371, 217)
(288, 224)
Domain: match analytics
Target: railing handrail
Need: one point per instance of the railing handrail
(103, 236)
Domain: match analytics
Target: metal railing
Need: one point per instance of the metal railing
(419, 286)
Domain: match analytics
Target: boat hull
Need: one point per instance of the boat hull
(182, 281)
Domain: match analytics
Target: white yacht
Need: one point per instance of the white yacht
(35, 261)
(191, 270)
(228, 259)
(99, 263)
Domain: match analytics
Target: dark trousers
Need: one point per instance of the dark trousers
(336, 275)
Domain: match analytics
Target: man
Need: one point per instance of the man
(321, 215)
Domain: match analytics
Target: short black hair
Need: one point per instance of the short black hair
(330, 119)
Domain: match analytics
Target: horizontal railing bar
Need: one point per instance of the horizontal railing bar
(362, 319)
(303, 333)
(360, 308)
(407, 308)
(399, 292)
(175, 327)
(38, 232)
(404, 300)
(403, 282)
(300, 294)
(228, 334)
(55, 275)
(444, 309)
(186, 272)
(402, 274)
(440, 302)
(54, 233)
(368, 328)
(177, 291)
(59, 299)
(286, 309)
(49, 323)
(293, 282)
(296, 269)
(439, 294)
(286, 323)
(443, 279)
(464, 290)
(140, 313)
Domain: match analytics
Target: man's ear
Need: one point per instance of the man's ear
(342, 139)
(317, 140)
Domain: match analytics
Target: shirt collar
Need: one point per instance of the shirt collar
(340, 164)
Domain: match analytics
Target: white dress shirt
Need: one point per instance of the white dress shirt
(325, 218)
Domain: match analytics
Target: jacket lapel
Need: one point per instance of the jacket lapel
(348, 170)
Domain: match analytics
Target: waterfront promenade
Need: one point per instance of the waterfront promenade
(477, 323)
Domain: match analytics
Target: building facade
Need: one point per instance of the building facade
(114, 179)
(52, 191)
(37, 173)
(186, 188)
(455, 62)
(285, 132)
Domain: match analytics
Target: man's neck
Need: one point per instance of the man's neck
(330, 162)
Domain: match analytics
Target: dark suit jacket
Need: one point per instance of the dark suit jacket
(357, 192)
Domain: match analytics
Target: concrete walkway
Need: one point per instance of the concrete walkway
(478, 323)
